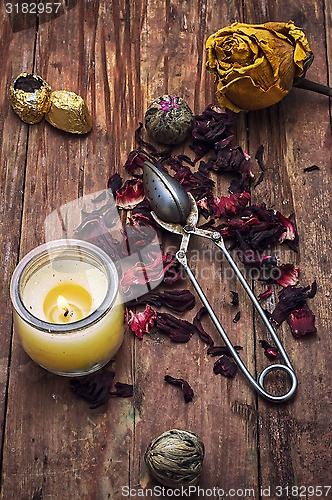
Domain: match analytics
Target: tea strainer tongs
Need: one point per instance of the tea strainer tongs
(176, 211)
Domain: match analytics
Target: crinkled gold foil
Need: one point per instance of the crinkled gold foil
(30, 97)
(69, 112)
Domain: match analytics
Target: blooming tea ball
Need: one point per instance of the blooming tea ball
(30, 97)
(168, 119)
(175, 458)
(69, 112)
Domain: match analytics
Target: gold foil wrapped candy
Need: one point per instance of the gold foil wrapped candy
(69, 112)
(176, 458)
(30, 97)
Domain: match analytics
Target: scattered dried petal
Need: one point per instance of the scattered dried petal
(233, 204)
(222, 350)
(142, 322)
(311, 169)
(267, 293)
(237, 317)
(235, 298)
(302, 322)
(290, 299)
(93, 388)
(188, 392)
(225, 366)
(176, 300)
(203, 335)
(259, 157)
(270, 351)
(114, 183)
(130, 195)
(178, 330)
(123, 390)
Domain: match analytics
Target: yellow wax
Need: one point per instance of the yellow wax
(75, 351)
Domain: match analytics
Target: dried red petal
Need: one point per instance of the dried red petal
(231, 205)
(203, 335)
(178, 330)
(267, 293)
(225, 366)
(290, 235)
(93, 388)
(289, 275)
(130, 195)
(142, 322)
(123, 390)
(114, 183)
(221, 350)
(188, 392)
(134, 161)
(290, 299)
(237, 317)
(213, 129)
(302, 322)
(176, 300)
(233, 160)
(270, 351)
(235, 298)
(172, 268)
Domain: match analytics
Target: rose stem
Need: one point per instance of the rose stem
(315, 87)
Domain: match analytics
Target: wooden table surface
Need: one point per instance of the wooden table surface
(120, 55)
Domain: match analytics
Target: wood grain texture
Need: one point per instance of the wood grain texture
(119, 56)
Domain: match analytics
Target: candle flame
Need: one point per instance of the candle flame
(63, 305)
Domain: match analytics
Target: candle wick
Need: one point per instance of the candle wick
(66, 312)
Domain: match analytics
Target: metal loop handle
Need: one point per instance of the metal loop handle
(259, 386)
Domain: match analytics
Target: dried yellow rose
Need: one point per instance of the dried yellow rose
(255, 64)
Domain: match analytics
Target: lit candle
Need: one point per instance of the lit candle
(68, 311)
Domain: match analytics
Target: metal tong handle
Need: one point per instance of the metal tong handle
(259, 386)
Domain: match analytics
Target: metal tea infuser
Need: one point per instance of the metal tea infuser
(176, 211)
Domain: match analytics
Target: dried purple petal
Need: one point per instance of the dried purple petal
(122, 390)
(311, 169)
(130, 195)
(225, 366)
(259, 157)
(134, 161)
(203, 335)
(172, 268)
(222, 350)
(231, 205)
(213, 129)
(141, 322)
(267, 293)
(233, 160)
(93, 388)
(188, 392)
(290, 299)
(237, 317)
(235, 298)
(176, 300)
(302, 322)
(178, 330)
(270, 351)
(290, 236)
(114, 183)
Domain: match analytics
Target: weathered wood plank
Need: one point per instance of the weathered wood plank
(16, 55)
(296, 134)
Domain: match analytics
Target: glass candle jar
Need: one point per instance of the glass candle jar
(68, 310)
